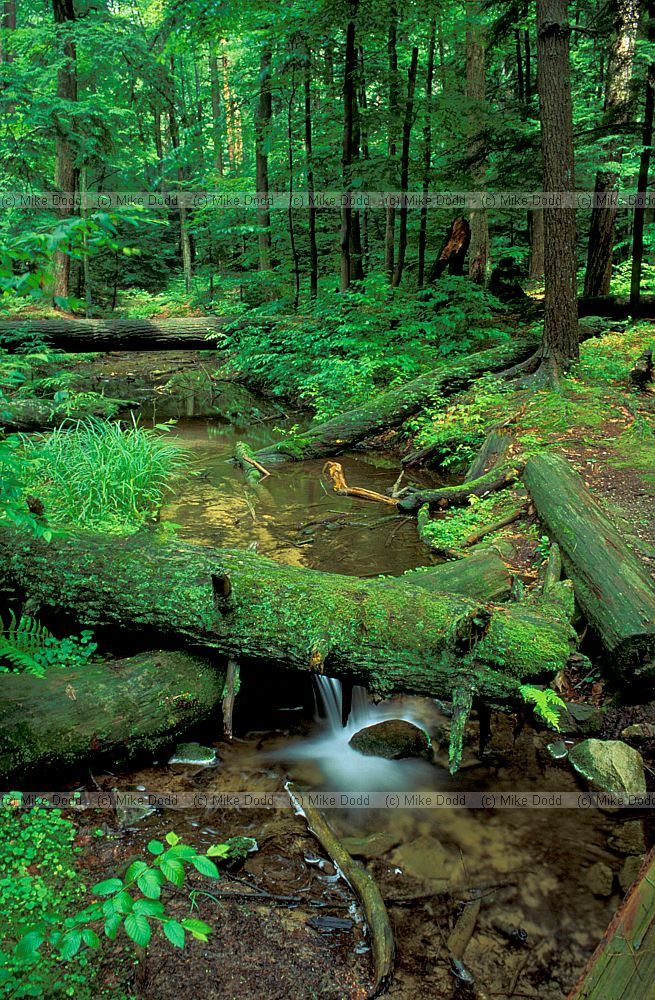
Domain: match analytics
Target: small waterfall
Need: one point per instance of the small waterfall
(328, 696)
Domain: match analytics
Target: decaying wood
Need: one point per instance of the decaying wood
(503, 522)
(498, 478)
(245, 458)
(102, 712)
(462, 932)
(494, 449)
(483, 574)
(453, 251)
(362, 884)
(230, 691)
(611, 586)
(336, 475)
(623, 965)
(642, 371)
(381, 633)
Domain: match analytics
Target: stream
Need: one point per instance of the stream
(538, 921)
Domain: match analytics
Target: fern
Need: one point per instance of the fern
(19, 641)
(545, 703)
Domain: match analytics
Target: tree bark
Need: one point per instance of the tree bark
(349, 74)
(65, 169)
(611, 586)
(102, 713)
(309, 161)
(217, 123)
(536, 228)
(7, 24)
(394, 114)
(239, 604)
(427, 154)
(263, 116)
(616, 115)
(482, 575)
(404, 168)
(642, 180)
(185, 240)
(560, 342)
(475, 86)
(453, 252)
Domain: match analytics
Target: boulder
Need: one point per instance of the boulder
(609, 766)
(628, 838)
(393, 740)
(373, 846)
(599, 879)
(630, 870)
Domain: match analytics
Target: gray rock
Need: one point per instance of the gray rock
(628, 838)
(558, 750)
(630, 870)
(393, 740)
(599, 879)
(639, 732)
(588, 718)
(370, 847)
(609, 766)
(426, 860)
(193, 753)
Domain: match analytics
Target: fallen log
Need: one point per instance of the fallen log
(482, 575)
(611, 586)
(494, 449)
(498, 478)
(392, 408)
(624, 963)
(642, 370)
(617, 307)
(336, 476)
(362, 884)
(377, 632)
(254, 471)
(102, 712)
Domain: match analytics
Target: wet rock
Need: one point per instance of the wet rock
(630, 870)
(599, 879)
(639, 732)
(609, 766)
(628, 838)
(193, 753)
(393, 740)
(370, 847)
(558, 750)
(426, 860)
(587, 718)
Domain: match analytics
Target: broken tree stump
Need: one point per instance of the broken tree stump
(642, 370)
(453, 252)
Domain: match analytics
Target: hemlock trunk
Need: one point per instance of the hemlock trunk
(386, 635)
(611, 586)
(113, 711)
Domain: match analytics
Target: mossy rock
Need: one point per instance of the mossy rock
(393, 740)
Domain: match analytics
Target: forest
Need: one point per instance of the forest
(327, 499)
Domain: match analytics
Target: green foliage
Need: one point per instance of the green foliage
(94, 474)
(27, 646)
(452, 528)
(545, 702)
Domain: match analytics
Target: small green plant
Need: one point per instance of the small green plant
(451, 529)
(545, 703)
(95, 474)
(26, 645)
(543, 548)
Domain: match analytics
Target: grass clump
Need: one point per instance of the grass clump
(96, 474)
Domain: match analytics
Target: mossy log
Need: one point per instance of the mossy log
(624, 963)
(380, 633)
(392, 408)
(617, 306)
(498, 478)
(494, 449)
(102, 712)
(253, 470)
(611, 586)
(482, 575)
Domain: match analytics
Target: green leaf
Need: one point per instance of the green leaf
(173, 870)
(135, 869)
(149, 908)
(172, 839)
(174, 932)
(123, 903)
(156, 847)
(29, 944)
(108, 886)
(112, 923)
(205, 866)
(198, 928)
(150, 883)
(138, 929)
(70, 945)
(90, 938)
(218, 851)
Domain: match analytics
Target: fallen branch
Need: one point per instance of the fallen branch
(245, 459)
(476, 536)
(362, 884)
(336, 475)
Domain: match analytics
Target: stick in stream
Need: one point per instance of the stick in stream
(335, 473)
(230, 691)
(245, 458)
(360, 882)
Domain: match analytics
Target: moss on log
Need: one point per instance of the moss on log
(392, 408)
(490, 482)
(102, 712)
(377, 632)
(611, 586)
(482, 575)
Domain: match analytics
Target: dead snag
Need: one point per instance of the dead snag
(336, 475)
(453, 251)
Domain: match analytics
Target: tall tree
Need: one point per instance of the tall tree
(616, 115)
(66, 171)
(560, 341)
(394, 114)
(349, 75)
(7, 24)
(644, 168)
(427, 153)
(263, 116)
(475, 91)
(309, 166)
(178, 153)
(404, 167)
(217, 124)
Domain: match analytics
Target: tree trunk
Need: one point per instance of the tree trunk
(453, 251)
(102, 713)
(520, 81)
(644, 167)
(404, 167)
(617, 113)
(394, 114)
(65, 169)
(380, 633)
(475, 80)
(528, 67)
(427, 154)
(230, 115)
(309, 159)
(560, 343)
(350, 70)
(611, 586)
(292, 230)
(263, 116)
(392, 408)
(217, 125)
(185, 241)
(536, 230)
(7, 24)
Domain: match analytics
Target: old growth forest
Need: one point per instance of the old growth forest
(327, 499)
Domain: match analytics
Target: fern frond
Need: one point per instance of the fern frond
(26, 634)
(20, 659)
(545, 702)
